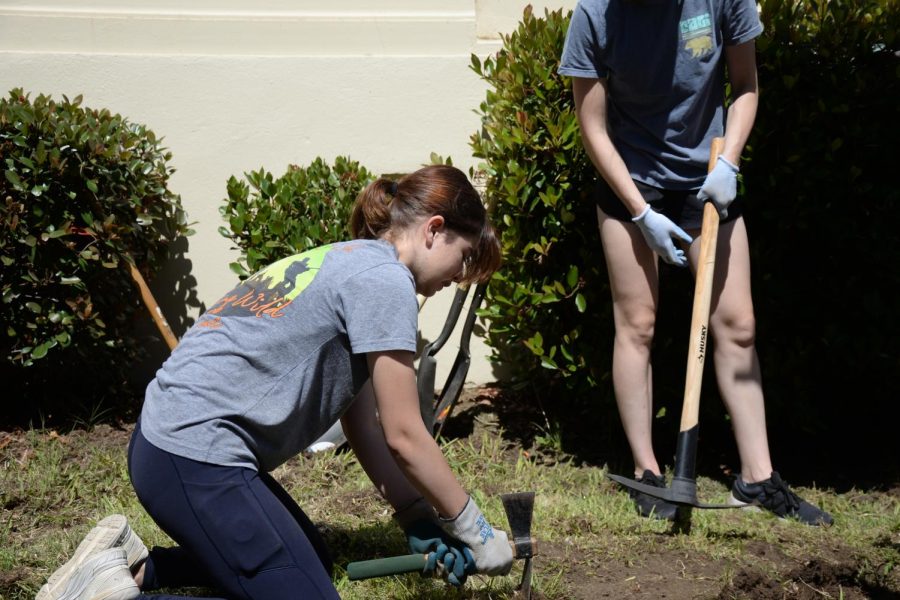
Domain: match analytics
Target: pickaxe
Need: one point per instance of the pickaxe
(683, 491)
(519, 509)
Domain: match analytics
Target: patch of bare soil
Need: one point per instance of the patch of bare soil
(815, 579)
(661, 574)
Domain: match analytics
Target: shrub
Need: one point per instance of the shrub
(306, 207)
(83, 192)
(548, 306)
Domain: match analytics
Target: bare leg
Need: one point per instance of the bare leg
(733, 327)
(633, 277)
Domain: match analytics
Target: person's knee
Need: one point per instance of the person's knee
(637, 328)
(738, 330)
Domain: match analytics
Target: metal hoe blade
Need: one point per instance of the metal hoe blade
(519, 509)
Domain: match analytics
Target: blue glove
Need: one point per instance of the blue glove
(447, 558)
(658, 231)
(456, 565)
(720, 185)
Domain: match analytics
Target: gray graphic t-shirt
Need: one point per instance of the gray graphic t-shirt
(277, 361)
(664, 64)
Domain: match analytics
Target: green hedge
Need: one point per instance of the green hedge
(271, 218)
(545, 302)
(822, 216)
(824, 211)
(83, 191)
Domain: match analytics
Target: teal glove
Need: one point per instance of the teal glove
(446, 557)
(458, 564)
(720, 186)
(658, 231)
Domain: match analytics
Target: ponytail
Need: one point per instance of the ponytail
(371, 216)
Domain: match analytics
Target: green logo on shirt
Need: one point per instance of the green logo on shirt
(270, 291)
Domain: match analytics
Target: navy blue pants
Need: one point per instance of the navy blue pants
(238, 531)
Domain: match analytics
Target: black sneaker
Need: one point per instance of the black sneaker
(774, 495)
(648, 506)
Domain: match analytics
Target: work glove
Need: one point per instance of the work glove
(488, 546)
(720, 185)
(447, 558)
(658, 231)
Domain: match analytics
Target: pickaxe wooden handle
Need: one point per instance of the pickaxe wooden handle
(703, 287)
(152, 306)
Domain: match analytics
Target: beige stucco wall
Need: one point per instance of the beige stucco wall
(232, 87)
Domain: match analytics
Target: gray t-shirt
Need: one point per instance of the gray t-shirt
(665, 69)
(270, 367)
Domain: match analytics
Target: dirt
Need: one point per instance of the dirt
(661, 574)
(662, 571)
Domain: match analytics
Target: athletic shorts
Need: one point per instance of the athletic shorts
(681, 206)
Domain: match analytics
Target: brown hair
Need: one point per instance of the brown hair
(387, 205)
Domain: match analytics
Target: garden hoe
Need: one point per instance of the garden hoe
(435, 411)
(519, 509)
(683, 491)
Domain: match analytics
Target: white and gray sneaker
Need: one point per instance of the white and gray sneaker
(104, 576)
(111, 532)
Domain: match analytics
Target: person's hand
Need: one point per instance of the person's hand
(446, 557)
(456, 565)
(489, 547)
(658, 231)
(720, 185)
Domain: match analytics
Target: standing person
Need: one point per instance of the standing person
(324, 335)
(648, 83)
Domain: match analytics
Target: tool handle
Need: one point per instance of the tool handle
(460, 369)
(409, 563)
(699, 339)
(380, 567)
(153, 307)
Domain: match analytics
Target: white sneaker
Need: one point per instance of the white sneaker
(111, 532)
(104, 576)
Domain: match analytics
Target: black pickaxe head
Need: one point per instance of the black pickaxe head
(683, 490)
(519, 509)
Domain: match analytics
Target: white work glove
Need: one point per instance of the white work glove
(720, 185)
(489, 546)
(658, 231)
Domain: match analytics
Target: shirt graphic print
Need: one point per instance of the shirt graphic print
(696, 34)
(270, 291)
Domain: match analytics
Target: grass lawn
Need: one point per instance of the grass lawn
(54, 486)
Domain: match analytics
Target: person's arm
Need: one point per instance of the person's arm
(591, 110)
(720, 185)
(415, 453)
(419, 460)
(741, 62)
(360, 425)
(411, 511)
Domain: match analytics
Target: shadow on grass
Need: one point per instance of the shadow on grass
(851, 458)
